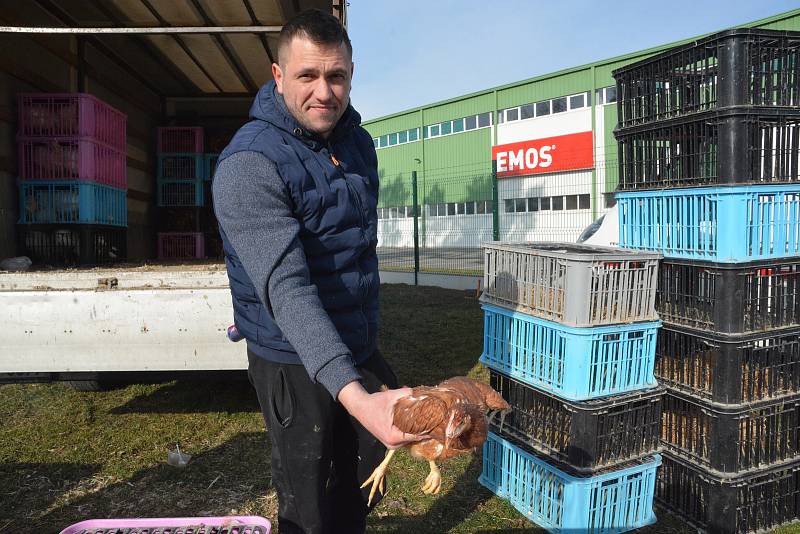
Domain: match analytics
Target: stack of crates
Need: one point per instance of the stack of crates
(72, 179)
(709, 148)
(181, 193)
(569, 340)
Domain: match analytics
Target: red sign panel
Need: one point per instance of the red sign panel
(551, 154)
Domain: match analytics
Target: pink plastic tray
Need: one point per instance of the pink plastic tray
(181, 246)
(71, 115)
(183, 139)
(235, 524)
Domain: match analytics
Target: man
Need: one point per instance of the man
(295, 193)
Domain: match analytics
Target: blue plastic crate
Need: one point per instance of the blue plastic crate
(570, 362)
(180, 193)
(616, 501)
(723, 224)
(44, 202)
(210, 164)
(187, 167)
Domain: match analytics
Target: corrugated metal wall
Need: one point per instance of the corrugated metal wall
(444, 158)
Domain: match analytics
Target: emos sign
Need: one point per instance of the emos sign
(552, 154)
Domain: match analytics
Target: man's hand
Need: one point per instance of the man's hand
(375, 412)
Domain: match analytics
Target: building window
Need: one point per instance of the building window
(572, 202)
(446, 128)
(557, 203)
(435, 130)
(470, 208)
(559, 104)
(527, 111)
(533, 204)
(376, 141)
(484, 120)
(512, 114)
(392, 139)
(543, 108)
(413, 134)
(584, 202)
(470, 123)
(509, 205)
(458, 125)
(544, 204)
(577, 101)
(403, 137)
(611, 94)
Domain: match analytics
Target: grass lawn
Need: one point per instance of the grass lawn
(66, 456)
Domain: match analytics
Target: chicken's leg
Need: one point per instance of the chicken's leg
(377, 476)
(434, 481)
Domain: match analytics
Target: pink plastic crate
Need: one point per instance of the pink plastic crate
(71, 115)
(181, 246)
(187, 139)
(239, 524)
(71, 158)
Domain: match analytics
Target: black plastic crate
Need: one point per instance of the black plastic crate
(735, 146)
(729, 370)
(751, 503)
(730, 440)
(730, 298)
(586, 436)
(69, 245)
(732, 68)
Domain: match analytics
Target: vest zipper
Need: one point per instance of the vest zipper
(363, 224)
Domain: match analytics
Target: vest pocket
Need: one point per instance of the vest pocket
(282, 400)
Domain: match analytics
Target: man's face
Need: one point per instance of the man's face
(315, 83)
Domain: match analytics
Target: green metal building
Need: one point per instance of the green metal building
(552, 138)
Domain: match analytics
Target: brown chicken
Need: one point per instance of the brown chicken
(452, 415)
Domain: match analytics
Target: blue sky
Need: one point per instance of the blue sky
(413, 52)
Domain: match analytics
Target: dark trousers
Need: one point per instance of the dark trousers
(320, 455)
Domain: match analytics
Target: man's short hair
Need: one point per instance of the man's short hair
(317, 26)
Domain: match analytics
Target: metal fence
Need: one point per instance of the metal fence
(436, 221)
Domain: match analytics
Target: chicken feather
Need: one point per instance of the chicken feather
(453, 417)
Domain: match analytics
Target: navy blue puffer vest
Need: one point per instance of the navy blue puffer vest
(335, 205)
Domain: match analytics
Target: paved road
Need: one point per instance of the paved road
(457, 260)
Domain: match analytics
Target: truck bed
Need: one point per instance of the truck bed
(129, 318)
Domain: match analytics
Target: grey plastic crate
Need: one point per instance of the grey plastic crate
(573, 284)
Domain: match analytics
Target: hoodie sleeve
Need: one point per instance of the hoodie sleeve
(254, 209)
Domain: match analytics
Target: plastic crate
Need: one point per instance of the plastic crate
(724, 224)
(180, 193)
(754, 502)
(729, 370)
(725, 147)
(730, 298)
(731, 439)
(173, 525)
(180, 167)
(560, 502)
(210, 162)
(72, 244)
(572, 363)
(72, 202)
(743, 66)
(71, 115)
(76, 158)
(586, 436)
(180, 139)
(181, 245)
(576, 285)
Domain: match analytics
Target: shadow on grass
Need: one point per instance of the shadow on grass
(215, 483)
(29, 488)
(447, 510)
(196, 396)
